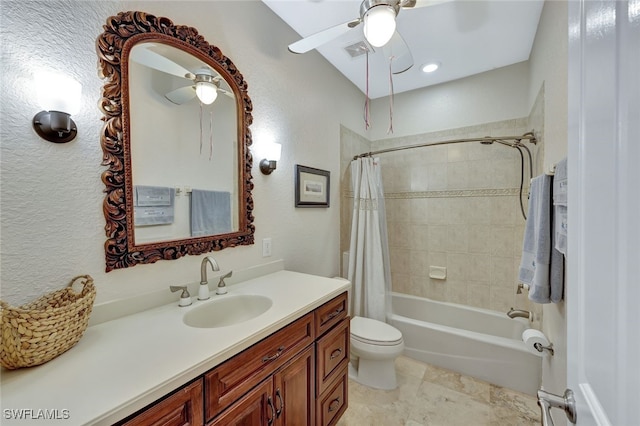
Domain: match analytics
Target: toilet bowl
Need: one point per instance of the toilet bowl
(374, 346)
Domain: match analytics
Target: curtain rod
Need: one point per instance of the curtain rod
(487, 140)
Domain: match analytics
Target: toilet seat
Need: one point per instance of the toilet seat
(373, 332)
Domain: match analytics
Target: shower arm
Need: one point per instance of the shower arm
(511, 141)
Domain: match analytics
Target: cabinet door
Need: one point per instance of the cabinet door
(232, 379)
(256, 408)
(293, 390)
(182, 408)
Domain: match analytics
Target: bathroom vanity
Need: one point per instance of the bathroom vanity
(287, 365)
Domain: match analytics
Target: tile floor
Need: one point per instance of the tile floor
(431, 396)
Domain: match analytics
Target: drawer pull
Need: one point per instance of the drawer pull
(279, 410)
(273, 411)
(274, 356)
(335, 354)
(334, 405)
(334, 314)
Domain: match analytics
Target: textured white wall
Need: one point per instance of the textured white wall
(52, 226)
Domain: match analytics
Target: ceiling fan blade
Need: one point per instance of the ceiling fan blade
(181, 95)
(318, 39)
(227, 93)
(413, 4)
(399, 52)
(154, 60)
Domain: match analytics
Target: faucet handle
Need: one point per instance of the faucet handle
(185, 297)
(222, 286)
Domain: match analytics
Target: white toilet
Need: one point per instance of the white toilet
(375, 345)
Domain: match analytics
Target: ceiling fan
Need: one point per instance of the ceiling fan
(206, 82)
(379, 19)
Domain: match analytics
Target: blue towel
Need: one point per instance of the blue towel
(210, 212)
(540, 267)
(560, 186)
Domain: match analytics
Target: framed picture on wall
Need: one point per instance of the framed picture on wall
(312, 187)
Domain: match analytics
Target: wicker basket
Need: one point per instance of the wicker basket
(37, 332)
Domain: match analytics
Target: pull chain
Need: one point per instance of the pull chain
(367, 101)
(201, 128)
(390, 129)
(210, 135)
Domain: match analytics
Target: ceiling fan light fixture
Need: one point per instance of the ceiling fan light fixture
(206, 92)
(206, 88)
(379, 24)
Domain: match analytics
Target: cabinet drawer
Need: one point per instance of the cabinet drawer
(232, 379)
(182, 408)
(331, 313)
(331, 405)
(332, 354)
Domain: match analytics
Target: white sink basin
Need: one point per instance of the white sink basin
(227, 310)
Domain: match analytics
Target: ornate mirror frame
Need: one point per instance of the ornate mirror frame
(121, 33)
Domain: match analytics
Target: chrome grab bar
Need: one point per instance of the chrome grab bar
(566, 402)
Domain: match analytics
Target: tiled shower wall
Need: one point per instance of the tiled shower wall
(453, 206)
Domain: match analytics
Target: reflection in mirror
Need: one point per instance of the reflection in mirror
(176, 140)
(183, 151)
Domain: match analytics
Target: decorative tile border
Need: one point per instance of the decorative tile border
(452, 193)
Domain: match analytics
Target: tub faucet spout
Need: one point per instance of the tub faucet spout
(514, 313)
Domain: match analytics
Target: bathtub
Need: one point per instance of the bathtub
(477, 342)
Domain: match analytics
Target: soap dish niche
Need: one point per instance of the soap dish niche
(438, 272)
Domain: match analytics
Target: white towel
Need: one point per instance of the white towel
(542, 269)
(560, 186)
(210, 212)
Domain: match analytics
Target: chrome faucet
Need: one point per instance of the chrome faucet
(203, 291)
(566, 402)
(514, 313)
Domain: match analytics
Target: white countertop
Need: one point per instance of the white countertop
(122, 365)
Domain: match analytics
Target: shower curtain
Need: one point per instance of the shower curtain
(369, 267)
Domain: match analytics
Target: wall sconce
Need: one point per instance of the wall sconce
(271, 152)
(59, 96)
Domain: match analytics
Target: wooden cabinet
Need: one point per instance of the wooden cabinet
(332, 361)
(235, 377)
(332, 354)
(284, 398)
(181, 408)
(297, 376)
(294, 396)
(254, 408)
(332, 404)
(330, 314)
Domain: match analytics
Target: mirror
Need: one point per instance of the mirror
(180, 144)
(176, 140)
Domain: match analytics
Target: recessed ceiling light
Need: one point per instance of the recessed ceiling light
(430, 67)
